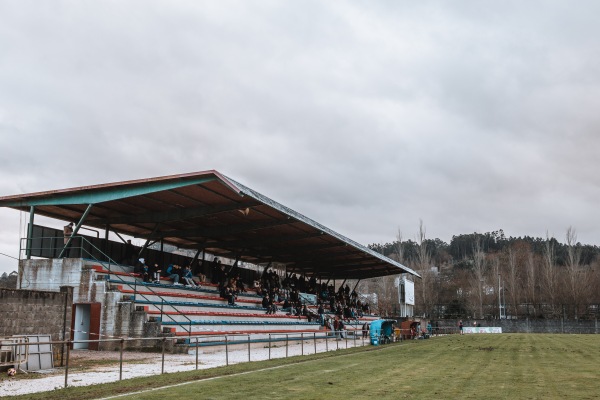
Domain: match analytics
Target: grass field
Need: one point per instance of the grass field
(507, 366)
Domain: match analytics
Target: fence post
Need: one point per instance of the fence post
(315, 341)
(67, 362)
(302, 343)
(269, 346)
(346, 337)
(162, 368)
(121, 359)
(248, 347)
(326, 341)
(196, 352)
(287, 338)
(226, 351)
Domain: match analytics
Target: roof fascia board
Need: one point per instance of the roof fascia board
(96, 196)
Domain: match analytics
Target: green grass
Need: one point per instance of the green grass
(507, 366)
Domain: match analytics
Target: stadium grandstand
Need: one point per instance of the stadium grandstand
(210, 257)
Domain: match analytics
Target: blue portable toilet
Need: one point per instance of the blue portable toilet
(381, 331)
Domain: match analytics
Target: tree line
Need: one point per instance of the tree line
(488, 275)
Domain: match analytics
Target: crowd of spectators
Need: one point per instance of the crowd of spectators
(343, 304)
(229, 282)
(174, 272)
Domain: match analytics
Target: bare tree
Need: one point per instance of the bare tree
(423, 263)
(478, 278)
(399, 247)
(495, 301)
(387, 294)
(512, 281)
(531, 275)
(573, 274)
(550, 277)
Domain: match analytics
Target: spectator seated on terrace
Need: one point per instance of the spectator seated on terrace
(145, 273)
(256, 286)
(298, 309)
(187, 277)
(230, 295)
(239, 284)
(173, 273)
(228, 290)
(155, 271)
(222, 277)
(366, 309)
(267, 302)
(201, 278)
(310, 316)
(291, 309)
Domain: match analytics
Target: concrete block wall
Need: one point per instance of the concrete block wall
(29, 312)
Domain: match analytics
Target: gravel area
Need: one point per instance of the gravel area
(94, 367)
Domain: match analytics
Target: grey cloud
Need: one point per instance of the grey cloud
(471, 115)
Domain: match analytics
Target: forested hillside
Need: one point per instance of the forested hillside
(483, 275)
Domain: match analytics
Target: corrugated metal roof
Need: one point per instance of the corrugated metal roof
(211, 211)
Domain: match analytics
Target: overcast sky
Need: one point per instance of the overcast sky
(365, 116)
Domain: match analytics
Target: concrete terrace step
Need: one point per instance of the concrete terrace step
(206, 328)
(230, 322)
(206, 315)
(231, 329)
(186, 306)
(210, 311)
(177, 294)
(220, 339)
